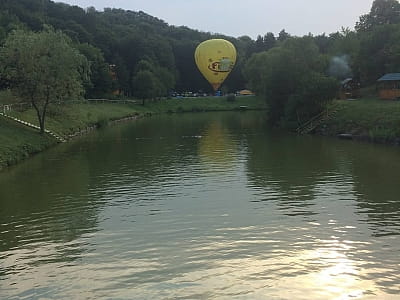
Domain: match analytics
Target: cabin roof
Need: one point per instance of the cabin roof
(390, 77)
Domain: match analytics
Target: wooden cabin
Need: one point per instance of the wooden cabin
(389, 86)
(349, 89)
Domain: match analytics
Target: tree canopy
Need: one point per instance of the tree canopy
(42, 68)
(292, 79)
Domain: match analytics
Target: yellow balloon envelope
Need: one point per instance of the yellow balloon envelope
(215, 59)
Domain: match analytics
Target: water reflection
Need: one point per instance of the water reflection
(46, 204)
(201, 206)
(216, 147)
(333, 189)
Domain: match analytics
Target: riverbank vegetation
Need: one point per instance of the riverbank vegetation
(19, 142)
(367, 119)
(72, 117)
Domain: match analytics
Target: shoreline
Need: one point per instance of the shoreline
(53, 142)
(73, 120)
(369, 121)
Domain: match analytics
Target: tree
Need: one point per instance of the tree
(146, 85)
(259, 44)
(314, 92)
(288, 77)
(100, 83)
(283, 35)
(42, 68)
(165, 80)
(382, 12)
(379, 52)
(269, 41)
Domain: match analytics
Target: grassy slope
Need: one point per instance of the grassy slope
(68, 119)
(369, 118)
(17, 142)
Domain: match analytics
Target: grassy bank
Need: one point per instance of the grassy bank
(18, 142)
(367, 118)
(205, 104)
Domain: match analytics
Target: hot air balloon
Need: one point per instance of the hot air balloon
(215, 59)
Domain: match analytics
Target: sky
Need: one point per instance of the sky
(251, 17)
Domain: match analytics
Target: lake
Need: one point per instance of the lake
(202, 206)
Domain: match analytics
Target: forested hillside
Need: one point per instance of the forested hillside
(120, 43)
(124, 39)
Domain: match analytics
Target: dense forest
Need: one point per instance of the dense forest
(126, 48)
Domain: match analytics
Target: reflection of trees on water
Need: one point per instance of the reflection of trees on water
(376, 173)
(152, 148)
(295, 170)
(290, 168)
(56, 196)
(45, 201)
(64, 179)
(295, 166)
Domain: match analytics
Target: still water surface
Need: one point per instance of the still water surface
(202, 206)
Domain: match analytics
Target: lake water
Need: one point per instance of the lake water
(202, 206)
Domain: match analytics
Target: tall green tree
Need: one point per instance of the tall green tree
(283, 35)
(382, 12)
(287, 77)
(164, 79)
(269, 40)
(146, 85)
(379, 52)
(42, 68)
(100, 81)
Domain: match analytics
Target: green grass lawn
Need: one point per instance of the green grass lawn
(17, 142)
(368, 117)
(205, 104)
(71, 118)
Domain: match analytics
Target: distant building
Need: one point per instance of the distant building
(349, 89)
(389, 86)
(245, 93)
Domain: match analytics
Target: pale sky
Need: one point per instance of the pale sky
(251, 17)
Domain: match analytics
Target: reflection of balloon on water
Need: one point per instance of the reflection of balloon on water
(216, 147)
(215, 59)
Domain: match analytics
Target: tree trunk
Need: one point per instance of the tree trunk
(42, 125)
(41, 115)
